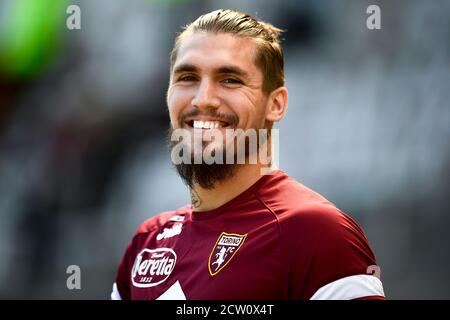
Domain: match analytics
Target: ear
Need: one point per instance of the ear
(277, 104)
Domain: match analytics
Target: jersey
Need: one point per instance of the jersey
(277, 240)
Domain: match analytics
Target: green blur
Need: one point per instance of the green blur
(29, 35)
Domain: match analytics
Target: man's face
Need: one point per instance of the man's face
(215, 78)
(215, 83)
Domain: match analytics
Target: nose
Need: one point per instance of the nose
(206, 96)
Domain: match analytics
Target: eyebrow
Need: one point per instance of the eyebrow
(230, 69)
(185, 67)
(233, 70)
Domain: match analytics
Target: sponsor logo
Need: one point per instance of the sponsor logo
(224, 250)
(153, 267)
(170, 232)
(177, 218)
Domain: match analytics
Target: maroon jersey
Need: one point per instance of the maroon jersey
(276, 240)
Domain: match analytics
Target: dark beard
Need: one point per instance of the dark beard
(204, 175)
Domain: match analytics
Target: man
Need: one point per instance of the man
(251, 232)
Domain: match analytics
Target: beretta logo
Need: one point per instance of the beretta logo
(153, 267)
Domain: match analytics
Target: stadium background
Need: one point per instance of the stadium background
(83, 121)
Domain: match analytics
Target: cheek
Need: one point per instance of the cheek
(260, 112)
(250, 110)
(177, 100)
(241, 106)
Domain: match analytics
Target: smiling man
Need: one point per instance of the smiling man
(246, 235)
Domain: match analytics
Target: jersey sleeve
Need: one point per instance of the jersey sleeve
(121, 287)
(329, 257)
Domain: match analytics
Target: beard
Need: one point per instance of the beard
(202, 174)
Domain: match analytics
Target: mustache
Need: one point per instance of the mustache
(231, 119)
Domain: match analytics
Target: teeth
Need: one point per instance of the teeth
(198, 124)
(206, 124)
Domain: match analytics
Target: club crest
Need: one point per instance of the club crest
(223, 251)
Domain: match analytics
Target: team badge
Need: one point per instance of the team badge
(224, 250)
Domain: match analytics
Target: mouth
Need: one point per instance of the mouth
(207, 124)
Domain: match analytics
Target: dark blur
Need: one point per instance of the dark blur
(83, 120)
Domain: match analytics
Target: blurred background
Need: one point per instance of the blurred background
(83, 120)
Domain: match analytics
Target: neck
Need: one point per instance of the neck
(245, 176)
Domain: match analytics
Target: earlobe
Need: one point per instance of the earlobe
(277, 104)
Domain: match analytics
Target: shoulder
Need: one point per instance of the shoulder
(325, 231)
(282, 193)
(322, 244)
(160, 220)
(145, 234)
(321, 223)
(297, 207)
(155, 228)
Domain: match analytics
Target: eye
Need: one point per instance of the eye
(187, 78)
(231, 81)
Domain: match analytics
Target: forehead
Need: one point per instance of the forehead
(211, 51)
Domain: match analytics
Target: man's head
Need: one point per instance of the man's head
(269, 56)
(226, 72)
